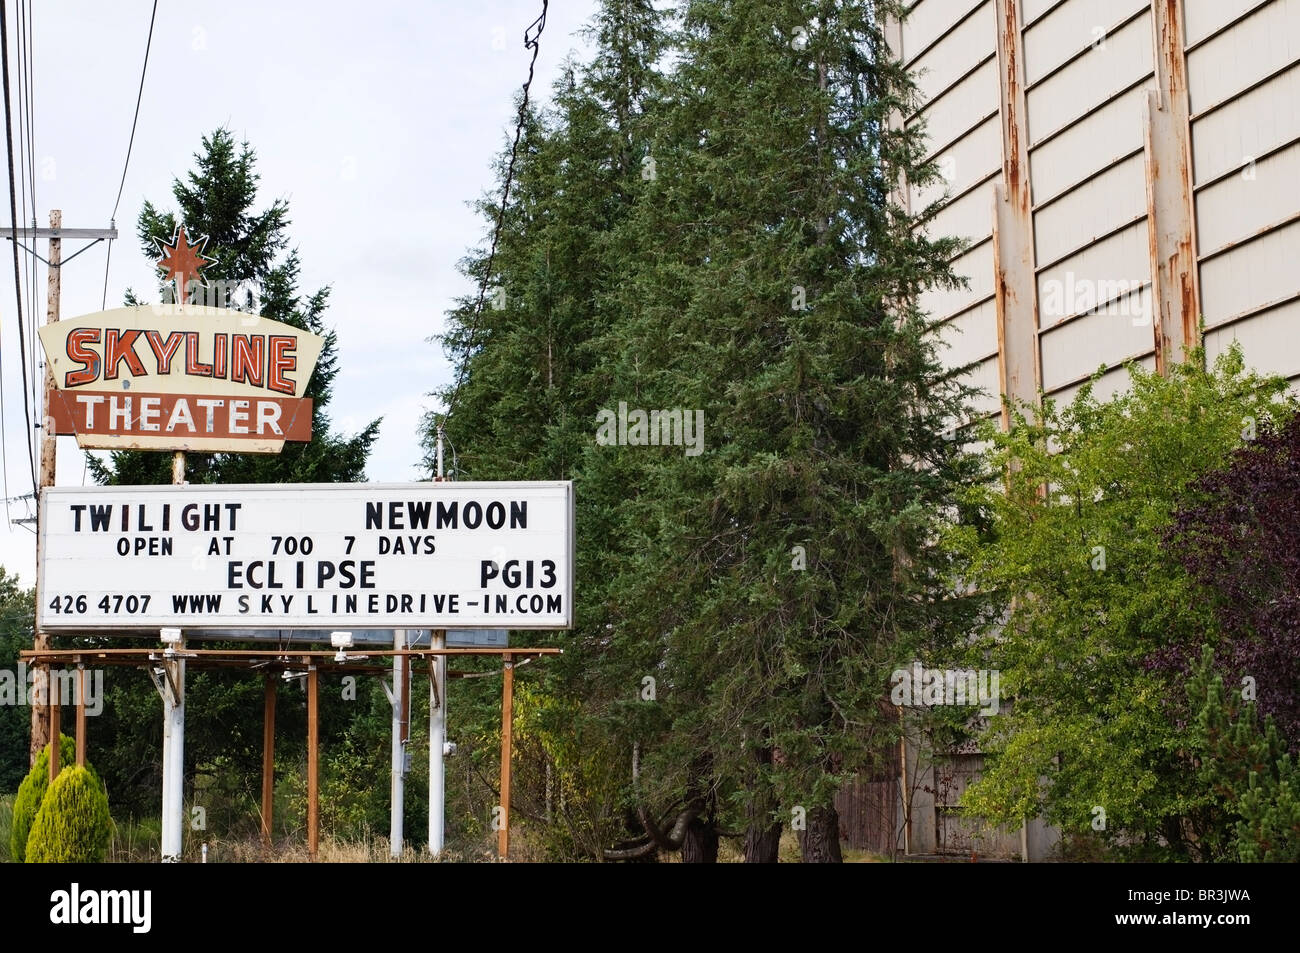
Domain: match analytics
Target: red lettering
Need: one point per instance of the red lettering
(88, 359)
(220, 346)
(246, 359)
(119, 346)
(192, 365)
(282, 359)
(164, 351)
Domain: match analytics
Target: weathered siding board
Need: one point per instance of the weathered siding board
(1105, 136)
(1100, 74)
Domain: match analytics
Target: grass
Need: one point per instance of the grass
(6, 822)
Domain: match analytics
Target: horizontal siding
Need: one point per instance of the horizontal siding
(1098, 206)
(1070, 28)
(1251, 276)
(1257, 47)
(1268, 340)
(1254, 123)
(1112, 131)
(928, 20)
(1093, 79)
(1246, 204)
(976, 266)
(1117, 334)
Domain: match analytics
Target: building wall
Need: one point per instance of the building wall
(1120, 170)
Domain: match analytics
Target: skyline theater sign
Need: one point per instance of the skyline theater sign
(180, 378)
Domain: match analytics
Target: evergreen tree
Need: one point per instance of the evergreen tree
(787, 569)
(530, 389)
(724, 240)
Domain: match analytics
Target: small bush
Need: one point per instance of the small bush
(30, 793)
(73, 825)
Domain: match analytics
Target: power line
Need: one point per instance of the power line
(13, 217)
(530, 43)
(27, 169)
(136, 118)
(34, 347)
(112, 219)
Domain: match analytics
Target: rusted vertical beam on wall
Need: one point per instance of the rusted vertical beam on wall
(268, 758)
(1171, 218)
(1014, 281)
(313, 764)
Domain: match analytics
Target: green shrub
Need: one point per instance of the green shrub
(73, 825)
(30, 792)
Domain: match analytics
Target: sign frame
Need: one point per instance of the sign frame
(186, 494)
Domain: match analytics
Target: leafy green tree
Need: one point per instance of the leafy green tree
(17, 611)
(1072, 547)
(73, 825)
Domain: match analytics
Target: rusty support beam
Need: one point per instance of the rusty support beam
(313, 763)
(81, 714)
(55, 711)
(1171, 216)
(1015, 284)
(507, 732)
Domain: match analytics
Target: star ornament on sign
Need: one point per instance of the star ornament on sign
(183, 261)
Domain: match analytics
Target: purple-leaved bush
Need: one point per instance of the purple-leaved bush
(1239, 536)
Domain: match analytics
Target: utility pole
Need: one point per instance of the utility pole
(44, 700)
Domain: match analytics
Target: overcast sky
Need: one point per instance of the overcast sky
(377, 121)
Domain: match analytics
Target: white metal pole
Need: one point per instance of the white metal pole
(397, 799)
(166, 768)
(437, 742)
(174, 761)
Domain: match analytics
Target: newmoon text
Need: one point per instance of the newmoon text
(16, 688)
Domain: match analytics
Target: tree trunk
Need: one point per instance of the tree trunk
(700, 839)
(762, 844)
(700, 845)
(763, 835)
(820, 842)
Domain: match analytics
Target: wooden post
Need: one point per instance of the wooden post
(81, 713)
(52, 695)
(507, 727)
(41, 680)
(313, 764)
(268, 758)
